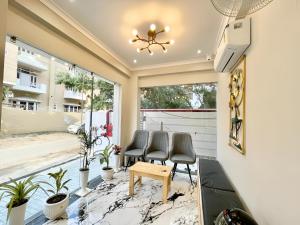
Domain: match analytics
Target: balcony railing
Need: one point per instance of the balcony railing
(25, 85)
(71, 94)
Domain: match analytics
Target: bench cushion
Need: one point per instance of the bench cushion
(214, 201)
(213, 176)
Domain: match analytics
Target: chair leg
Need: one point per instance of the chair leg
(189, 170)
(152, 161)
(174, 170)
(128, 161)
(162, 162)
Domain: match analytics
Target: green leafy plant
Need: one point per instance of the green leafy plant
(5, 92)
(19, 192)
(60, 184)
(104, 156)
(86, 144)
(82, 82)
(179, 97)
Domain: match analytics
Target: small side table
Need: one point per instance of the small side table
(157, 172)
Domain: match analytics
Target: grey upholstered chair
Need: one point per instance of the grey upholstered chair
(182, 151)
(159, 147)
(136, 149)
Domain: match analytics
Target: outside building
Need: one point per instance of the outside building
(30, 80)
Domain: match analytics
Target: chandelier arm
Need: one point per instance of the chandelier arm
(162, 46)
(162, 43)
(162, 31)
(138, 38)
(142, 39)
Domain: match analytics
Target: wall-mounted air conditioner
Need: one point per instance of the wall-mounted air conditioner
(235, 40)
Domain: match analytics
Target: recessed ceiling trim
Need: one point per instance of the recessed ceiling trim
(74, 23)
(171, 64)
(176, 69)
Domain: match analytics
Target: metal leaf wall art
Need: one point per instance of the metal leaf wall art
(237, 107)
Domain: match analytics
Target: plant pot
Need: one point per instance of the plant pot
(17, 215)
(107, 173)
(117, 162)
(84, 178)
(55, 206)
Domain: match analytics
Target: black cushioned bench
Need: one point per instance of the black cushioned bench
(216, 191)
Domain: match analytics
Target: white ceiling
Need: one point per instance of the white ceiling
(194, 25)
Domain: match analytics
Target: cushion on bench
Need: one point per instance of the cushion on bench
(214, 201)
(213, 176)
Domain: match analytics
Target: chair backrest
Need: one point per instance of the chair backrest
(159, 141)
(140, 139)
(182, 144)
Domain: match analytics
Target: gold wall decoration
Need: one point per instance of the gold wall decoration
(237, 106)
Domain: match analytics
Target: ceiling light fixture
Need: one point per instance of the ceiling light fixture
(199, 51)
(151, 39)
(134, 61)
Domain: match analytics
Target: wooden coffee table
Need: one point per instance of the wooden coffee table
(158, 172)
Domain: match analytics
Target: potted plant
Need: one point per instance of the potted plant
(56, 205)
(104, 158)
(86, 144)
(19, 193)
(117, 153)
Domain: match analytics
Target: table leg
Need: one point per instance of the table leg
(169, 183)
(165, 189)
(131, 183)
(140, 180)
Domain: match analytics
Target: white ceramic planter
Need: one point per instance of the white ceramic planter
(117, 162)
(17, 215)
(107, 174)
(84, 178)
(55, 210)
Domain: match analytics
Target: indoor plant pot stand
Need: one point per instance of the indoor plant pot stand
(117, 162)
(84, 178)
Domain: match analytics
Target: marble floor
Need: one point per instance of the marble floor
(110, 204)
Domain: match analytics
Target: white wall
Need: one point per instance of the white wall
(201, 126)
(268, 176)
(18, 121)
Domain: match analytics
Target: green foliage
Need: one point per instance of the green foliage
(206, 95)
(105, 154)
(169, 97)
(104, 99)
(19, 192)
(5, 91)
(82, 82)
(86, 144)
(59, 183)
(178, 97)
